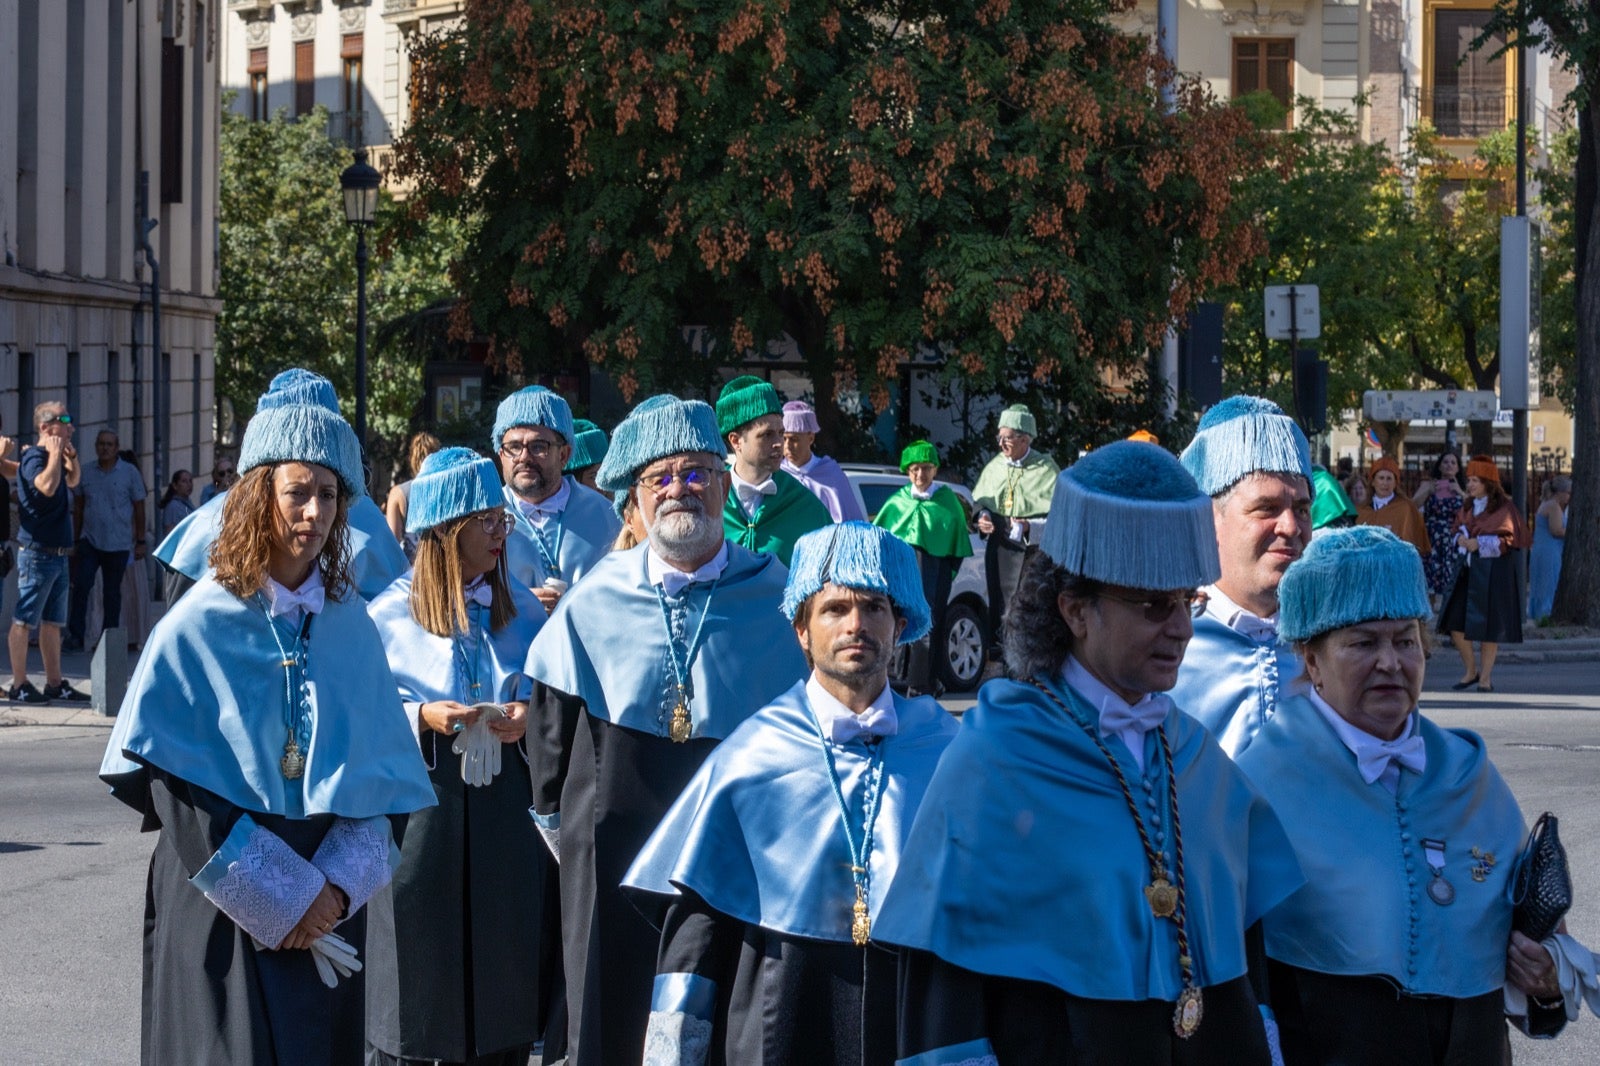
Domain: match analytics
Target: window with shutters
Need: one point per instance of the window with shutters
(1466, 94)
(305, 78)
(172, 68)
(1265, 64)
(258, 85)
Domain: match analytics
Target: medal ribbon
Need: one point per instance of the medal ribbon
(550, 555)
(682, 666)
(872, 781)
(298, 723)
(470, 668)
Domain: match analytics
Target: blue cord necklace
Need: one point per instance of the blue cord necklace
(681, 726)
(471, 667)
(860, 858)
(293, 763)
(550, 555)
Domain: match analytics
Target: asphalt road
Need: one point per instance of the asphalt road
(72, 862)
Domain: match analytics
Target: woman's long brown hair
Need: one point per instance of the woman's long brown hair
(244, 546)
(438, 591)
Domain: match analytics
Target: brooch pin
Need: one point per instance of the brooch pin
(1483, 863)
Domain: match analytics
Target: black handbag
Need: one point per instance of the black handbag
(1541, 884)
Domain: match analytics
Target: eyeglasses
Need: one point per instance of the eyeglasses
(497, 522)
(535, 449)
(1159, 607)
(694, 478)
(65, 420)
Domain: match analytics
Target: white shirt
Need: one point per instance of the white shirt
(549, 507)
(1148, 713)
(751, 496)
(879, 715)
(672, 580)
(1380, 502)
(293, 603)
(1239, 619)
(1019, 462)
(1366, 747)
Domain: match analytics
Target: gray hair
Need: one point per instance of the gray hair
(1037, 640)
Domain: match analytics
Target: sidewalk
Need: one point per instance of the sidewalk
(75, 668)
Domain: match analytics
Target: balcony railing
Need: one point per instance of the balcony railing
(348, 128)
(1467, 112)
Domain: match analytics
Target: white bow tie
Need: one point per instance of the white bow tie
(766, 488)
(674, 582)
(286, 600)
(870, 724)
(481, 594)
(1410, 753)
(1143, 716)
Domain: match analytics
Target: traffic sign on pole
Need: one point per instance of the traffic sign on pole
(1461, 405)
(1294, 313)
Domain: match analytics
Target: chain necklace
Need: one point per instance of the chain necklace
(1166, 900)
(1008, 496)
(860, 859)
(682, 725)
(293, 763)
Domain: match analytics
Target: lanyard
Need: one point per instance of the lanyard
(551, 555)
(860, 857)
(297, 716)
(471, 667)
(681, 725)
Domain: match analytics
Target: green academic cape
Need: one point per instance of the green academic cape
(937, 525)
(783, 519)
(1018, 492)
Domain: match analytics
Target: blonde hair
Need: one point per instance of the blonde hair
(243, 547)
(628, 537)
(422, 445)
(438, 590)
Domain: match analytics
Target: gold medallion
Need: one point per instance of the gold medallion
(680, 726)
(860, 923)
(1186, 1019)
(1163, 897)
(293, 764)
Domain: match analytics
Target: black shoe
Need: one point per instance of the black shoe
(26, 693)
(1462, 686)
(66, 692)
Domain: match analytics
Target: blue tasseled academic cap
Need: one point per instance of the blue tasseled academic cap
(296, 386)
(303, 433)
(1243, 435)
(532, 406)
(1350, 575)
(658, 427)
(452, 482)
(589, 445)
(859, 555)
(1129, 514)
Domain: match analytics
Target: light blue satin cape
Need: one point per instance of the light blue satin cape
(1024, 861)
(607, 644)
(758, 835)
(588, 529)
(425, 666)
(376, 558)
(1233, 684)
(1364, 908)
(206, 704)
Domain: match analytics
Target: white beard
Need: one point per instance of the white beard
(684, 534)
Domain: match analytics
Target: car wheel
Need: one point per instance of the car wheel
(961, 648)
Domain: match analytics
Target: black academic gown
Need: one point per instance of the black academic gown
(210, 995)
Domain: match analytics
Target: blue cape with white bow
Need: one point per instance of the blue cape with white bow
(1232, 684)
(606, 643)
(206, 704)
(376, 558)
(426, 667)
(1364, 908)
(588, 529)
(758, 834)
(1024, 861)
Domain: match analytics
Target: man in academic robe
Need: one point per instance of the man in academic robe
(376, 558)
(1013, 491)
(767, 872)
(1255, 464)
(1082, 874)
(589, 444)
(766, 510)
(1392, 509)
(563, 528)
(650, 661)
(820, 474)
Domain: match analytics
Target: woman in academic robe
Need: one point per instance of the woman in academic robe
(1081, 878)
(1397, 949)
(1389, 508)
(458, 966)
(262, 736)
(1487, 601)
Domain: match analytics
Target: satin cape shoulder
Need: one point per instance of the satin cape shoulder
(424, 665)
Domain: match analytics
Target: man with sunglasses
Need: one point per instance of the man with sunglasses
(644, 666)
(45, 475)
(223, 477)
(1255, 464)
(563, 528)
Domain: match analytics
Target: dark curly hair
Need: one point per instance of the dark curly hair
(244, 545)
(1037, 640)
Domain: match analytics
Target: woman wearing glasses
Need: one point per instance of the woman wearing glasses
(455, 948)
(1080, 877)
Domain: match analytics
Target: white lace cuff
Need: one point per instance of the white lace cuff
(673, 1038)
(1489, 547)
(260, 882)
(359, 856)
(971, 1053)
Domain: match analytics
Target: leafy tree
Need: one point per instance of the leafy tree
(995, 181)
(288, 279)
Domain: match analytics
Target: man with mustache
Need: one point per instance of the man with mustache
(645, 665)
(1255, 464)
(767, 872)
(766, 510)
(563, 528)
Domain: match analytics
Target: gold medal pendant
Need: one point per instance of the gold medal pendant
(1163, 898)
(1186, 1019)
(680, 726)
(860, 922)
(293, 764)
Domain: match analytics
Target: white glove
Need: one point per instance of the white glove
(335, 958)
(479, 748)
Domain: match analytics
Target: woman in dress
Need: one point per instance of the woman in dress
(1440, 497)
(1396, 950)
(261, 735)
(1549, 535)
(456, 943)
(1486, 603)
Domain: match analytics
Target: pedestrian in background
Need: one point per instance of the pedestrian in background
(175, 504)
(589, 446)
(46, 475)
(1393, 510)
(1013, 491)
(1486, 604)
(818, 473)
(1549, 536)
(223, 478)
(1440, 496)
(8, 471)
(419, 448)
(111, 530)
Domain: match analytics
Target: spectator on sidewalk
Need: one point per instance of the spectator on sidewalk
(110, 522)
(223, 475)
(8, 471)
(398, 504)
(45, 475)
(176, 504)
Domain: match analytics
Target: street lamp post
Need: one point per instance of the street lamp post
(360, 184)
